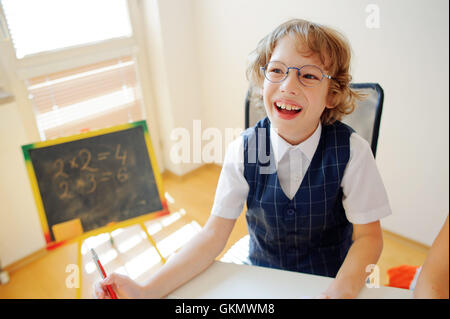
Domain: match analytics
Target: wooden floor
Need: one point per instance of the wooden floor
(48, 274)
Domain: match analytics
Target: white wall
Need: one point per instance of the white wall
(20, 230)
(172, 51)
(407, 55)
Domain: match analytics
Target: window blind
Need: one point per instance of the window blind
(86, 98)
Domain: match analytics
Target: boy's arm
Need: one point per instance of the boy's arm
(200, 252)
(197, 255)
(365, 250)
(433, 278)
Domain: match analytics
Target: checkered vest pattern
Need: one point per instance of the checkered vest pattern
(310, 233)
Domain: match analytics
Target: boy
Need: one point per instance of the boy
(313, 192)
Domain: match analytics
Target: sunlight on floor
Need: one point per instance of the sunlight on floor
(142, 262)
(136, 253)
(171, 243)
(169, 198)
(238, 253)
(131, 242)
(105, 258)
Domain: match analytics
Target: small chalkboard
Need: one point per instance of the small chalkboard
(100, 177)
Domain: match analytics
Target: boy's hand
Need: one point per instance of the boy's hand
(123, 286)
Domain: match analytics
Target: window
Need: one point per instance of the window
(77, 59)
(86, 98)
(47, 25)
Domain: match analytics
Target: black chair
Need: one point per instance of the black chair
(365, 120)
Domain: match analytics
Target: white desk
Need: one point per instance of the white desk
(232, 281)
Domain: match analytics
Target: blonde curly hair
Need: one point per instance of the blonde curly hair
(329, 45)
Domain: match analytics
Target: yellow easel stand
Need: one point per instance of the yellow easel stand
(152, 242)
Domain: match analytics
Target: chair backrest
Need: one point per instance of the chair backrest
(365, 120)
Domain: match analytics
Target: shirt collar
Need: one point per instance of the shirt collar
(307, 147)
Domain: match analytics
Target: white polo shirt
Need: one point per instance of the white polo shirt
(364, 196)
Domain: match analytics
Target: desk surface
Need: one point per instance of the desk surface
(233, 281)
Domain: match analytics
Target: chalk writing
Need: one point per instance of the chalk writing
(88, 175)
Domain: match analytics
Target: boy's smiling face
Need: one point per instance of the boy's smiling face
(297, 127)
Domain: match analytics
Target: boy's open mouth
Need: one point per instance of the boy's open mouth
(285, 108)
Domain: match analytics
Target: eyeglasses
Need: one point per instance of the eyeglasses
(308, 75)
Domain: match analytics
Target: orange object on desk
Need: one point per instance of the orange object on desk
(401, 276)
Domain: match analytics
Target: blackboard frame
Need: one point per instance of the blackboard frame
(50, 243)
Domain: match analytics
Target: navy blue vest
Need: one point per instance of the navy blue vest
(310, 233)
